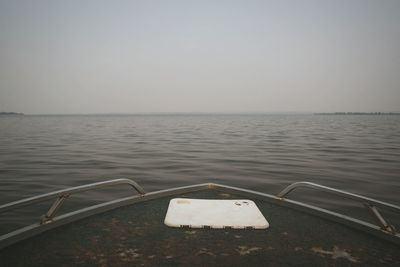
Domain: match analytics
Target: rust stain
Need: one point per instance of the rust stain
(244, 250)
(205, 251)
(335, 253)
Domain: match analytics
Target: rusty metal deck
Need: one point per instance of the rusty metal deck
(135, 235)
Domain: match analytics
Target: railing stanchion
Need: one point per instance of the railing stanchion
(369, 203)
(62, 195)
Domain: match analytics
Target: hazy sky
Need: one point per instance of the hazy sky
(199, 56)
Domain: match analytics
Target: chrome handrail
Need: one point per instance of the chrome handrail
(369, 203)
(63, 194)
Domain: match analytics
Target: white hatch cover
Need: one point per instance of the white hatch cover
(200, 213)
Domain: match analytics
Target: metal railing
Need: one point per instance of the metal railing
(62, 195)
(369, 203)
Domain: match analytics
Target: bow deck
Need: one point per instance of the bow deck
(135, 235)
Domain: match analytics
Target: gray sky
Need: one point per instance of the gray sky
(199, 56)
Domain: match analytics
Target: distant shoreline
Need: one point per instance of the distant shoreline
(359, 113)
(11, 113)
(200, 114)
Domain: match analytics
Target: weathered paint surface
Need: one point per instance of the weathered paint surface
(136, 236)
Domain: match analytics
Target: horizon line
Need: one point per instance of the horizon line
(216, 113)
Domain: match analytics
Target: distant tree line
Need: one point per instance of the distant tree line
(359, 113)
(11, 113)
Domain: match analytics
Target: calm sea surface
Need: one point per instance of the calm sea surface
(39, 154)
